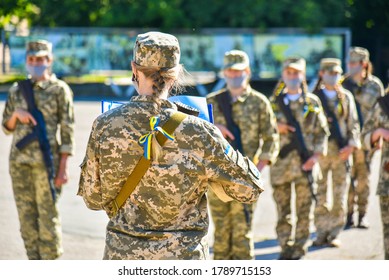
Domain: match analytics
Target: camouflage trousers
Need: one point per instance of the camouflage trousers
(330, 221)
(384, 203)
(360, 173)
(233, 237)
(38, 214)
(170, 245)
(293, 246)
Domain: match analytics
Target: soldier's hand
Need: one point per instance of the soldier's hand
(61, 178)
(283, 128)
(345, 153)
(224, 130)
(24, 117)
(308, 165)
(261, 164)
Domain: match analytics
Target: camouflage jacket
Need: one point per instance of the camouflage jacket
(378, 119)
(54, 99)
(253, 114)
(315, 131)
(169, 205)
(343, 107)
(365, 94)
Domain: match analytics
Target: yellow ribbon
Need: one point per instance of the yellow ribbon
(310, 108)
(146, 140)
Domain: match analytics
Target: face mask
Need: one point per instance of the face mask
(36, 71)
(293, 84)
(355, 70)
(331, 80)
(135, 82)
(236, 82)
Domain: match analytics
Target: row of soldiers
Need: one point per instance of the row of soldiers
(303, 137)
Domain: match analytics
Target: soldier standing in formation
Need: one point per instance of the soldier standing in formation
(366, 88)
(166, 215)
(246, 119)
(35, 152)
(339, 107)
(375, 134)
(301, 122)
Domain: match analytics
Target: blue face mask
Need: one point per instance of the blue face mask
(36, 71)
(293, 84)
(236, 82)
(355, 70)
(331, 80)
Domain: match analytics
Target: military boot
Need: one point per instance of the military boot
(362, 221)
(349, 221)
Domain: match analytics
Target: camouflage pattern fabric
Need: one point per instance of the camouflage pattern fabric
(54, 99)
(156, 49)
(287, 172)
(330, 221)
(253, 114)
(379, 119)
(166, 216)
(366, 95)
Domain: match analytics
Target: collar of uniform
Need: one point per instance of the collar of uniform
(245, 94)
(149, 99)
(299, 100)
(45, 84)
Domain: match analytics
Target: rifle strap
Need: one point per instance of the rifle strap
(143, 165)
(27, 90)
(224, 101)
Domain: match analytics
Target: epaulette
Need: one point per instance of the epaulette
(187, 109)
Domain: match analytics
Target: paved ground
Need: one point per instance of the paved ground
(84, 230)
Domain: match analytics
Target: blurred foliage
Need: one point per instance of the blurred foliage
(363, 16)
(367, 19)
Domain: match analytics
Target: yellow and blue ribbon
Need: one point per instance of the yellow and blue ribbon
(310, 108)
(146, 140)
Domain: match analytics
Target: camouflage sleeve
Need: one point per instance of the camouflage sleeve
(229, 172)
(66, 118)
(321, 130)
(370, 125)
(268, 133)
(353, 128)
(90, 184)
(9, 109)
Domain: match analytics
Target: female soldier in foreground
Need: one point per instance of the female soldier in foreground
(165, 217)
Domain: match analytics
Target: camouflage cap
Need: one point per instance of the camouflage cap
(297, 63)
(236, 60)
(156, 49)
(331, 64)
(358, 54)
(39, 48)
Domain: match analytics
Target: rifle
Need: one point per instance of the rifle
(38, 133)
(297, 142)
(335, 130)
(224, 101)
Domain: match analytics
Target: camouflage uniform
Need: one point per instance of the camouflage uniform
(287, 171)
(330, 221)
(366, 95)
(38, 214)
(379, 119)
(252, 113)
(166, 217)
